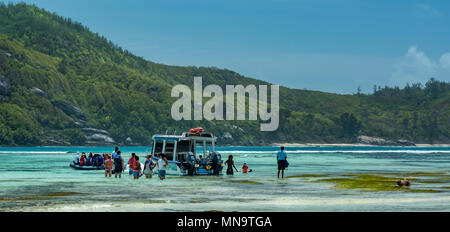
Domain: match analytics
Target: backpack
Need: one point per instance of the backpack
(117, 161)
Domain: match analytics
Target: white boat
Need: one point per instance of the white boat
(188, 154)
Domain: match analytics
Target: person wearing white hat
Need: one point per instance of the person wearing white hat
(76, 160)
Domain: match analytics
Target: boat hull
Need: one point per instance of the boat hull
(173, 169)
(79, 167)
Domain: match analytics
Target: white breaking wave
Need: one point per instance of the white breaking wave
(340, 151)
(269, 152)
(34, 152)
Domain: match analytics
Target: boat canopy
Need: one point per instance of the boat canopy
(166, 137)
(174, 147)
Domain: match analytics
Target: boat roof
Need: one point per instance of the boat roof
(182, 137)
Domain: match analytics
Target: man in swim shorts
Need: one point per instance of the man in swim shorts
(118, 165)
(281, 160)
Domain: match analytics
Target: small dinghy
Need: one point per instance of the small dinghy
(79, 167)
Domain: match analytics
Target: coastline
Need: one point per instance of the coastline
(351, 145)
(270, 145)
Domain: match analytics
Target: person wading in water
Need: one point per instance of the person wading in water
(131, 162)
(118, 165)
(109, 163)
(281, 159)
(136, 167)
(148, 167)
(230, 164)
(162, 164)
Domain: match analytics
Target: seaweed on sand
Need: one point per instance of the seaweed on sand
(370, 182)
(59, 194)
(307, 175)
(246, 182)
(428, 174)
(39, 196)
(434, 181)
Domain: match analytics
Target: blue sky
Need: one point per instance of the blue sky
(325, 45)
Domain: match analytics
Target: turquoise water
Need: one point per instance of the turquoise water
(39, 179)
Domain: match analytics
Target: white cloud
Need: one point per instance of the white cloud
(445, 61)
(416, 66)
(425, 10)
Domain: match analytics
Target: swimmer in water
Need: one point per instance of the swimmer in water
(404, 182)
(245, 168)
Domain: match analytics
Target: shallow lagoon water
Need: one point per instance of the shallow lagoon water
(39, 179)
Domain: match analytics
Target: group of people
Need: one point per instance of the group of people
(90, 160)
(137, 171)
(115, 162)
(282, 164)
(230, 166)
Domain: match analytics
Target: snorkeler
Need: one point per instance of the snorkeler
(405, 182)
(245, 168)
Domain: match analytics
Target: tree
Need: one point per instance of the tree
(430, 127)
(350, 125)
(405, 123)
(75, 136)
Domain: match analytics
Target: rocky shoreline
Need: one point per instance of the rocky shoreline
(352, 145)
(270, 145)
(365, 141)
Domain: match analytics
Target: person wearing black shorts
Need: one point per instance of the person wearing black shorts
(118, 165)
(281, 160)
(230, 164)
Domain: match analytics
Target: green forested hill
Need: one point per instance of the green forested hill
(61, 84)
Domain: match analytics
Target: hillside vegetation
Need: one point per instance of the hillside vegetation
(61, 84)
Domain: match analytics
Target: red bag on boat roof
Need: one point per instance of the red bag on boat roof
(196, 130)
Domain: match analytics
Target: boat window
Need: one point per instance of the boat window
(158, 147)
(181, 157)
(169, 146)
(209, 147)
(199, 148)
(169, 156)
(183, 146)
